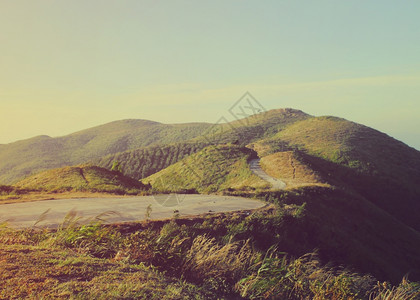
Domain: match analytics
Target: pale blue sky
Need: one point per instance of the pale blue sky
(69, 65)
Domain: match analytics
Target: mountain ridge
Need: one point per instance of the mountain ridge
(23, 158)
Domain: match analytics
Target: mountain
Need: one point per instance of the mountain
(26, 157)
(358, 158)
(145, 161)
(327, 150)
(82, 178)
(360, 188)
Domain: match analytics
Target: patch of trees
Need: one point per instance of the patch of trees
(143, 162)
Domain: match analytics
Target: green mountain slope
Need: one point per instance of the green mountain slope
(256, 127)
(142, 162)
(212, 169)
(25, 157)
(366, 161)
(82, 178)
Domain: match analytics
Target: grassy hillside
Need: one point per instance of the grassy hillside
(82, 178)
(225, 256)
(29, 156)
(290, 168)
(354, 197)
(349, 230)
(39, 272)
(143, 162)
(353, 145)
(212, 169)
(8, 192)
(26, 157)
(247, 130)
(368, 162)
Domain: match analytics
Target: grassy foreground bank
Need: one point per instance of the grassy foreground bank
(224, 256)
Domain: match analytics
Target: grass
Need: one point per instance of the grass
(208, 259)
(350, 144)
(40, 195)
(26, 157)
(366, 220)
(84, 178)
(38, 272)
(288, 167)
(213, 169)
(355, 157)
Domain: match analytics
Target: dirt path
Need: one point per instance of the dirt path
(255, 167)
(127, 209)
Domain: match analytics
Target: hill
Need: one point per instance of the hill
(82, 178)
(352, 156)
(253, 128)
(352, 192)
(212, 169)
(26, 157)
(143, 162)
(290, 168)
(327, 150)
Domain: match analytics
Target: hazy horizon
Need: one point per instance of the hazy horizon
(68, 66)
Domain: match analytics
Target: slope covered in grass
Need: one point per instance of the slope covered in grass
(252, 128)
(83, 178)
(353, 145)
(233, 256)
(288, 167)
(39, 272)
(25, 157)
(381, 169)
(143, 162)
(212, 169)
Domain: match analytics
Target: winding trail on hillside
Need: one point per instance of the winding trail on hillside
(51, 213)
(255, 167)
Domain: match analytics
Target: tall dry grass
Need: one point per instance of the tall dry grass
(208, 259)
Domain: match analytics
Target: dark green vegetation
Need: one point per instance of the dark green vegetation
(26, 157)
(84, 178)
(353, 195)
(215, 257)
(143, 162)
(346, 228)
(8, 190)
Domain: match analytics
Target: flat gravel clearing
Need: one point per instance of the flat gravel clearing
(19, 215)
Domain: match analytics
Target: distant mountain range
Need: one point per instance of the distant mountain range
(29, 156)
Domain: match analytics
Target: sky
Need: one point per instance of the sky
(70, 65)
